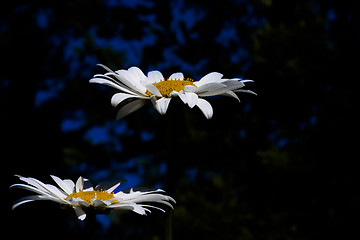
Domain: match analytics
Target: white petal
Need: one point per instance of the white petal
(231, 94)
(79, 213)
(130, 108)
(177, 76)
(119, 97)
(100, 203)
(245, 90)
(180, 94)
(233, 84)
(154, 76)
(189, 88)
(192, 99)
(105, 67)
(79, 184)
(40, 187)
(48, 194)
(153, 90)
(110, 190)
(29, 199)
(210, 77)
(205, 107)
(211, 89)
(137, 73)
(64, 185)
(129, 80)
(161, 105)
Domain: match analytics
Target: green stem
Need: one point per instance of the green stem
(168, 225)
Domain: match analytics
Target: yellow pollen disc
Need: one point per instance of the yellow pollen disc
(87, 196)
(165, 87)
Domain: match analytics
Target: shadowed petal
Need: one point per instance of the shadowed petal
(130, 108)
(79, 213)
(205, 107)
(119, 97)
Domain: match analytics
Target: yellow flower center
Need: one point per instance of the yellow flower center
(165, 87)
(87, 196)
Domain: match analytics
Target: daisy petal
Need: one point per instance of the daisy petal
(205, 107)
(231, 94)
(177, 76)
(119, 97)
(130, 108)
(79, 213)
(161, 105)
(137, 73)
(208, 78)
(154, 76)
(64, 186)
(153, 90)
(79, 184)
(180, 94)
(110, 190)
(29, 199)
(192, 99)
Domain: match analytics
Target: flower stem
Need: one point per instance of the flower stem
(168, 225)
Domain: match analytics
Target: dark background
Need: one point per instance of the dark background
(280, 165)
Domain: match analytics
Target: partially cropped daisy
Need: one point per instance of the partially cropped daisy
(134, 85)
(82, 195)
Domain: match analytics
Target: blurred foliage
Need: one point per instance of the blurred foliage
(280, 165)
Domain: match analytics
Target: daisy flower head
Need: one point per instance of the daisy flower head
(132, 84)
(82, 195)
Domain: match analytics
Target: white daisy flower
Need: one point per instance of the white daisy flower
(134, 85)
(82, 195)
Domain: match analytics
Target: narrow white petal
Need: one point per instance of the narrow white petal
(56, 192)
(137, 73)
(129, 206)
(153, 90)
(105, 67)
(189, 88)
(154, 76)
(245, 90)
(64, 186)
(205, 107)
(40, 187)
(210, 77)
(130, 108)
(129, 80)
(79, 213)
(211, 89)
(119, 97)
(177, 76)
(162, 105)
(100, 203)
(110, 190)
(231, 94)
(180, 94)
(29, 199)
(45, 193)
(233, 84)
(79, 184)
(192, 99)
